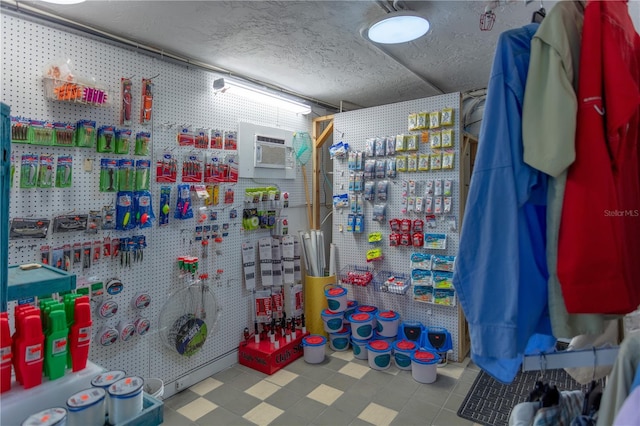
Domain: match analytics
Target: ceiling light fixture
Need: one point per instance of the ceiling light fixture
(260, 95)
(398, 27)
(64, 1)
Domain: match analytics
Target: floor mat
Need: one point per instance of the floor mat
(490, 402)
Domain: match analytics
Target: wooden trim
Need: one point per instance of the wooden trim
(318, 142)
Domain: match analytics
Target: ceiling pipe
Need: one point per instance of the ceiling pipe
(20, 9)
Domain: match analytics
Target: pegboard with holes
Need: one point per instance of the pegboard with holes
(390, 120)
(183, 96)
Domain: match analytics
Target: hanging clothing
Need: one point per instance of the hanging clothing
(569, 407)
(599, 240)
(548, 137)
(501, 274)
(619, 383)
(629, 414)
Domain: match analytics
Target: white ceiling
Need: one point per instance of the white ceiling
(315, 48)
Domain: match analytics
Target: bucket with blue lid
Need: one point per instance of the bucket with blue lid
(351, 309)
(359, 348)
(339, 341)
(336, 298)
(313, 346)
(379, 354)
(402, 352)
(332, 321)
(387, 323)
(361, 325)
(368, 309)
(424, 366)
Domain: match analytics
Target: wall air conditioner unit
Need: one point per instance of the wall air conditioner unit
(272, 153)
(265, 152)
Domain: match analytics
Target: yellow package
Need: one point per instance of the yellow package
(434, 119)
(412, 142)
(435, 139)
(423, 121)
(400, 143)
(436, 160)
(447, 159)
(412, 163)
(413, 122)
(446, 138)
(401, 163)
(423, 162)
(446, 118)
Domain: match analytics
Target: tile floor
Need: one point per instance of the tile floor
(340, 391)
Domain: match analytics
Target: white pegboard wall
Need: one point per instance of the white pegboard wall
(354, 128)
(183, 96)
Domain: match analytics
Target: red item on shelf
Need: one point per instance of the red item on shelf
(19, 312)
(80, 335)
(30, 350)
(5, 353)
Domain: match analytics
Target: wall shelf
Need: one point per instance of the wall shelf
(37, 282)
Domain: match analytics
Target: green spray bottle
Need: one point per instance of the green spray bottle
(56, 344)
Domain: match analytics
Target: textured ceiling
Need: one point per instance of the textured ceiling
(315, 48)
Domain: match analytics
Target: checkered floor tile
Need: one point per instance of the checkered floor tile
(340, 390)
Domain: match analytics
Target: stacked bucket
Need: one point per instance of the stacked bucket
(333, 317)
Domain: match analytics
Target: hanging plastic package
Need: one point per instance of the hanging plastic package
(125, 217)
(144, 209)
(183, 205)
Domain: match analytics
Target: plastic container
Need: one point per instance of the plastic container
(332, 321)
(402, 352)
(361, 325)
(336, 298)
(424, 366)
(56, 416)
(154, 387)
(411, 330)
(125, 399)
(379, 354)
(351, 309)
(86, 408)
(359, 348)
(387, 323)
(368, 309)
(340, 341)
(314, 346)
(105, 380)
(377, 336)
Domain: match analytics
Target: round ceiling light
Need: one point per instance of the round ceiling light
(398, 27)
(64, 1)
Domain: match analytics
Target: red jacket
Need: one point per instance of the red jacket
(599, 241)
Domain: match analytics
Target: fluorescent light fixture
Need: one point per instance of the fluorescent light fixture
(64, 1)
(264, 96)
(398, 27)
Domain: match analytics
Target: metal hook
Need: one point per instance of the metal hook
(155, 76)
(543, 365)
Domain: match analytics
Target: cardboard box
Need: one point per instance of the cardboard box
(265, 358)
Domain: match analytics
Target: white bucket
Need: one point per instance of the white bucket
(125, 399)
(313, 347)
(86, 407)
(361, 325)
(402, 352)
(332, 321)
(387, 323)
(379, 354)
(424, 366)
(336, 298)
(340, 341)
(351, 308)
(368, 309)
(359, 348)
(154, 387)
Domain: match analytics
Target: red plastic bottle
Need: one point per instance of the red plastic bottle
(30, 350)
(80, 335)
(19, 312)
(5, 353)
